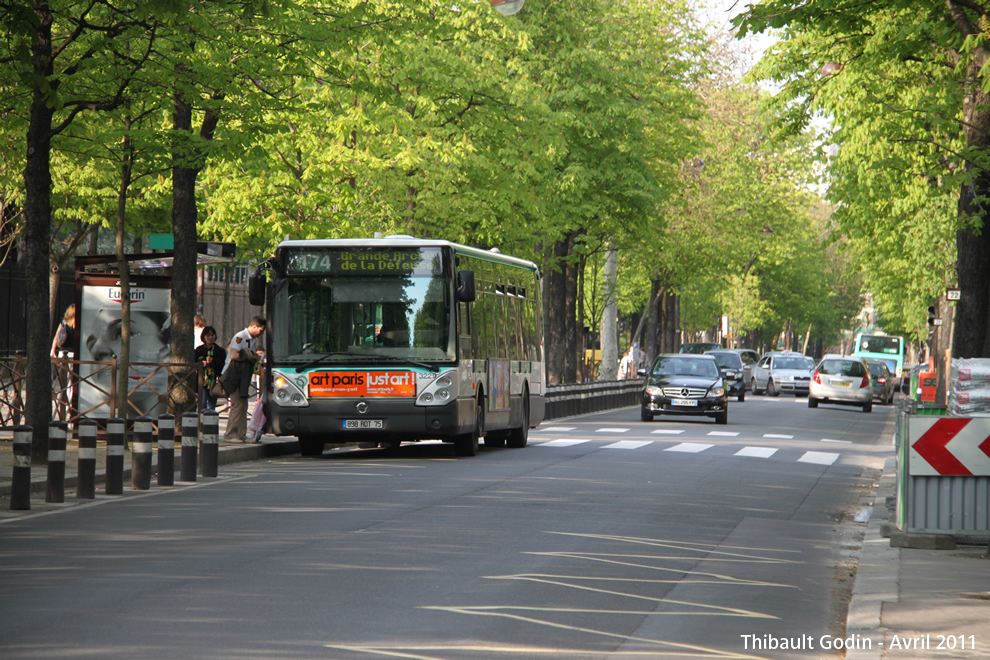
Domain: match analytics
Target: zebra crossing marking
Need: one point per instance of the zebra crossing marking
(725, 434)
(778, 436)
(610, 430)
(756, 452)
(668, 431)
(818, 457)
(689, 447)
(628, 444)
(562, 443)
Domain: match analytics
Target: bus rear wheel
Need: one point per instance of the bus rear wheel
(518, 437)
(310, 445)
(466, 444)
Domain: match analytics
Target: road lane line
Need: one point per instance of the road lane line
(628, 444)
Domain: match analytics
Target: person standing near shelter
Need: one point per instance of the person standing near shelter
(213, 357)
(237, 373)
(63, 347)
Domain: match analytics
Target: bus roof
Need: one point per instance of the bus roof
(410, 241)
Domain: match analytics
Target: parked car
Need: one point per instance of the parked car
(882, 380)
(841, 379)
(731, 365)
(684, 384)
(698, 348)
(781, 372)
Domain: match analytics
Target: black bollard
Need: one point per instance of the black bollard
(141, 454)
(115, 457)
(166, 450)
(86, 473)
(190, 424)
(56, 463)
(20, 487)
(210, 443)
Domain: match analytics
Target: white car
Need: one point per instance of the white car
(844, 380)
(781, 372)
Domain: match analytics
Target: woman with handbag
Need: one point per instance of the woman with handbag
(212, 356)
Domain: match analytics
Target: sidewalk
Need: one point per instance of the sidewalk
(917, 603)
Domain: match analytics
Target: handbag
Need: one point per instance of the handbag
(217, 391)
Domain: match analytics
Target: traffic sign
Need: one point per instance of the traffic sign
(949, 446)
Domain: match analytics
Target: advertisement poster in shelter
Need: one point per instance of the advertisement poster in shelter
(100, 341)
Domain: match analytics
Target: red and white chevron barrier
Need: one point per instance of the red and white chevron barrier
(949, 446)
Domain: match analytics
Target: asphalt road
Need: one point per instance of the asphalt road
(607, 537)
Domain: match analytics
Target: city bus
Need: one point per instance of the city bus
(888, 348)
(396, 339)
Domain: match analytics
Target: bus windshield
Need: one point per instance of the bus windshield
(394, 303)
(879, 344)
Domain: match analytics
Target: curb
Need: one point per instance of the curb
(876, 575)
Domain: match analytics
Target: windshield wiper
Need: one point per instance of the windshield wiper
(370, 356)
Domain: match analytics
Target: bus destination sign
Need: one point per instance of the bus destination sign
(363, 262)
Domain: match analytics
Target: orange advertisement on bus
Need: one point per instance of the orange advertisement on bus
(362, 383)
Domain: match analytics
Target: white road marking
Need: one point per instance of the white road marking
(608, 430)
(628, 444)
(818, 457)
(757, 452)
(556, 429)
(777, 435)
(689, 447)
(727, 434)
(669, 432)
(844, 442)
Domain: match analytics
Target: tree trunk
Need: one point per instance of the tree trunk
(972, 315)
(555, 313)
(37, 222)
(571, 324)
(123, 271)
(610, 319)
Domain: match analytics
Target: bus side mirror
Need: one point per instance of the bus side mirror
(256, 289)
(465, 286)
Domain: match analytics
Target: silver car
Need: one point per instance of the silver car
(844, 380)
(781, 372)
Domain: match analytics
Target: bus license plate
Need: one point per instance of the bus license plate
(684, 402)
(362, 423)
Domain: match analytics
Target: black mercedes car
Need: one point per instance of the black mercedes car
(684, 384)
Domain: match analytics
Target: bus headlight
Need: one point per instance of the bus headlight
(287, 392)
(439, 391)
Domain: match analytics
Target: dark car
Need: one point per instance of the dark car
(698, 348)
(684, 384)
(731, 364)
(883, 381)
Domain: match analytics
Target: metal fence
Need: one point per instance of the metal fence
(593, 396)
(151, 385)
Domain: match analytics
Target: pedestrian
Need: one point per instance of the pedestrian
(237, 374)
(63, 348)
(199, 323)
(626, 365)
(212, 356)
(256, 427)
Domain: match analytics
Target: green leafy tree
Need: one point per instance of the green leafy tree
(905, 90)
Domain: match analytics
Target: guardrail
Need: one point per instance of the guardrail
(594, 396)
